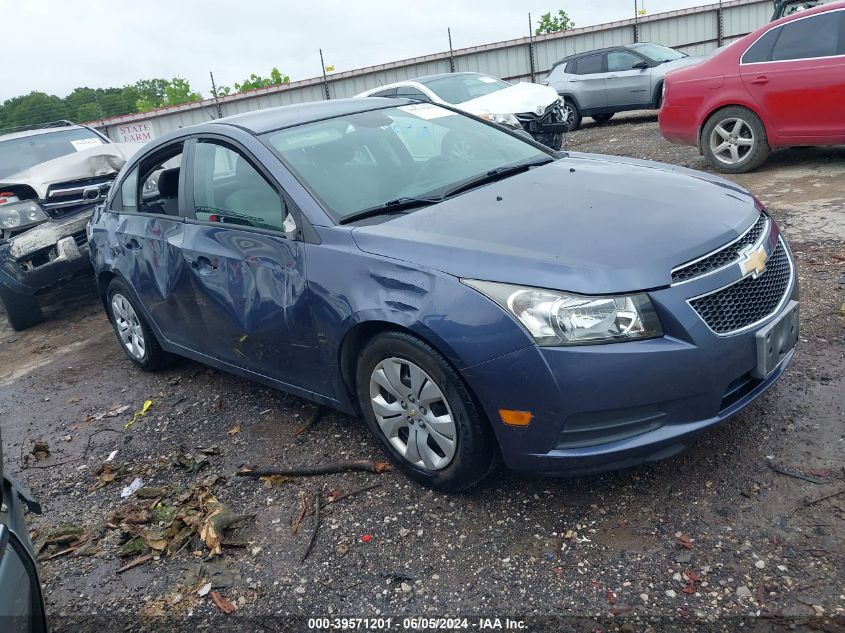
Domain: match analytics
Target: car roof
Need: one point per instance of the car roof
(270, 119)
(45, 130)
(607, 50)
(425, 79)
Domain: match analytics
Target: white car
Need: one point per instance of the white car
(531, 108)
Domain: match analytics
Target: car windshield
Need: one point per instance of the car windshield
(365, 160)
(659, 54)
(795, 7)
(461, 88)
(19, 154)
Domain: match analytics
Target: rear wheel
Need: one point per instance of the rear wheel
(132, 330)
(603, 118)
(734, 140)
(22, 311)
(571, 115)
(418, 406)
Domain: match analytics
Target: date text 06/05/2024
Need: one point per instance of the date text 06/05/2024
(415, 624)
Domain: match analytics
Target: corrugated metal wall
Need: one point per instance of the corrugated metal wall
(694, 31)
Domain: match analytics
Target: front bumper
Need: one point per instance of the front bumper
(44, 255)
(605, 407)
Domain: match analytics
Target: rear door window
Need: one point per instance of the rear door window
(590, 65)
(389, 92)
(808, 38)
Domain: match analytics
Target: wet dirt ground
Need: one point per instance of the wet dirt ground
(716, 538)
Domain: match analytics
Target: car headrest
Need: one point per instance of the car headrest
(168, 183)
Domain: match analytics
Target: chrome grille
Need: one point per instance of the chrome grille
(724, 256)
(749, 300)
(71, 197)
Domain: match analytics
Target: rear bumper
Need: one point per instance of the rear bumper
(41, 257)
(678, 125)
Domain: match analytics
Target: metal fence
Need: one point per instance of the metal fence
(695, 31)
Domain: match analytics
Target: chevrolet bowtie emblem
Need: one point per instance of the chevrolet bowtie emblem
(753, 261)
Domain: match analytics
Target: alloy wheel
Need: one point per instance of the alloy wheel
(731, 141)
(568, 114)
(413, 413)
(128, 326)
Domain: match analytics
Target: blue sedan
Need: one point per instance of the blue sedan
(564, 313)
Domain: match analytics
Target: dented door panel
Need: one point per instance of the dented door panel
(250, 290)
(146, 251)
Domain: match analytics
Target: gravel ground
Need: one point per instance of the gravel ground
(714, 539)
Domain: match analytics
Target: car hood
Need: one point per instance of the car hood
(98, 161)
(684, 62)
(585, 223)
(516, 99)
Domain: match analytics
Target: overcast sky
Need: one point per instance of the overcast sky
(57, 45)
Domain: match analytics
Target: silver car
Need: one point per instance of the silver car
(602, 82)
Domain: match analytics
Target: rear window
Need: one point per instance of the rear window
(816, 36)
(19, 154)
(761, 50)
(590, 65)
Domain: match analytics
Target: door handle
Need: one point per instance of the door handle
(762, 80)
(203, 265)
(612, 76)
(132, 245)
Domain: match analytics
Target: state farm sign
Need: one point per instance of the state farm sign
(135, 132)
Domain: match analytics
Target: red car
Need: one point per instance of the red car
(782, 85)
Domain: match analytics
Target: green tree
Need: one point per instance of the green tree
(34, 108)
(179, 91)
(257, 81)
(87, 112)
(152, 90)
(549, 24)
(157, 93)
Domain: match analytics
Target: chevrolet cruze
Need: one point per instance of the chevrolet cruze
(565, 313)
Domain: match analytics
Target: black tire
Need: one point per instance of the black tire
(571, 115)
(603, 118)
(476, 453)
(154, 357)
(22, 311)
(727, 118)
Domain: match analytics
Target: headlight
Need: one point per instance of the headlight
(508, 120)
(15, 215)
(556, 318)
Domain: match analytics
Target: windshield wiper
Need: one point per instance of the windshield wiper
(495, 174)
(391, 206)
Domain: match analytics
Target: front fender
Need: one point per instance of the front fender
(350, 288)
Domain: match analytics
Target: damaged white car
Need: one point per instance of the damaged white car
(529, 108)
(51, 177)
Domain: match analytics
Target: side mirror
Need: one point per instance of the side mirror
(641, 65)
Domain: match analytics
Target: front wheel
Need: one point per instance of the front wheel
(571, 115)
(734, 140)
(421, 411)
(22, 311)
